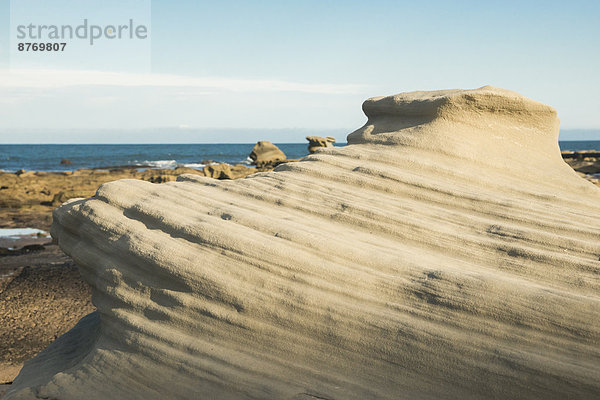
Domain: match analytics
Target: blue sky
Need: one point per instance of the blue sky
(280, 65)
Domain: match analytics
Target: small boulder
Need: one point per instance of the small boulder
(158, 179)
(66, 161)
(218, 171)
(226, 171)
(241, 171)
(316, 142)
(266, 155)
(24, 174)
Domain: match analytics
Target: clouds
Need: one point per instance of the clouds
(54, 78)
(304, 64)
(53, 99)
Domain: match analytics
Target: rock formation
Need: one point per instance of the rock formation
(266, 155)
(446, 252)
(586, 163)
(226, 171)
(316, 142)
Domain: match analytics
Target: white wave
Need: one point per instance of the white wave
(195, 165)
(159, 163)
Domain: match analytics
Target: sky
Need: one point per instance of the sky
(226, 71)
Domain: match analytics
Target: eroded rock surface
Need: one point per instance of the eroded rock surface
(265, 154)
(316, 142)
(227, 171)
(446, 252)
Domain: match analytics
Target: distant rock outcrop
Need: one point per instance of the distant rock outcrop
(265, 154)
(66, 161)
(447, 252)
(316, 142)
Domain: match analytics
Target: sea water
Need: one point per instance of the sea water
(47, 157)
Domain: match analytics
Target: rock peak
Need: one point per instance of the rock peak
(491, 125)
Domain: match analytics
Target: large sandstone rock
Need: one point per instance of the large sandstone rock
(447, 252)
(265, 154)
(316, 142)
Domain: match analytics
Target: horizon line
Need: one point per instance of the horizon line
(220, 129)
(224, 143)
(153, 143)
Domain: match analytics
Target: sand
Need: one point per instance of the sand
(446, 252)
(42, 296)
(4, 388)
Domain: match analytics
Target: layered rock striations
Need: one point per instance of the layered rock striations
(446, 252)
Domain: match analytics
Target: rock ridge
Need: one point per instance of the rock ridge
(426, 259)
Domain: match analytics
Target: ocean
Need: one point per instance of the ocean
(47, 157)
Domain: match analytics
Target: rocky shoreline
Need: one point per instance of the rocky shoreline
(27, 198)
(586, 163)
